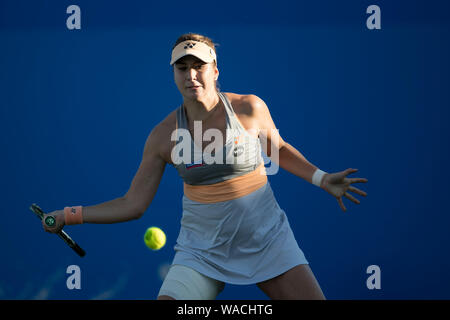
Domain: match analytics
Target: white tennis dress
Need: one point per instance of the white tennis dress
(244, 240)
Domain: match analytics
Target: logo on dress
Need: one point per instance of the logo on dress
(194, 165)
(238, 150)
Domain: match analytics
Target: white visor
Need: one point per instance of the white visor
(198, 49)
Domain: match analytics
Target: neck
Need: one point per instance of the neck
(202, 108)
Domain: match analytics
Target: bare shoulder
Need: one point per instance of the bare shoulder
(249, 109)
(168, 124)
(246, 104)
(159, 137)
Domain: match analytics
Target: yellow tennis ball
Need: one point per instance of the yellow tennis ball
(154, 238)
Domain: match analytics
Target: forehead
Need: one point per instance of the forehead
(189, 59)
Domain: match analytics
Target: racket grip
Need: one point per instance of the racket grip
(79, 250)
(49, 220)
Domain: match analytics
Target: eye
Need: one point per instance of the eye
(181, 68)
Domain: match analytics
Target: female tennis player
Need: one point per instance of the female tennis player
(232, 228)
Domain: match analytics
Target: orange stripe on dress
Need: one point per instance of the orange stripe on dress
(228, 189)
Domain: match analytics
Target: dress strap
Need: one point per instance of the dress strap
(234, 123)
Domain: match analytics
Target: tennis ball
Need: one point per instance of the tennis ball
(154, 238)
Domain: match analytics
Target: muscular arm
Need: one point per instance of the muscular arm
(142, 190)
(293, 161)
(283, 153)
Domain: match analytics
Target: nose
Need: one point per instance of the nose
(191, 74)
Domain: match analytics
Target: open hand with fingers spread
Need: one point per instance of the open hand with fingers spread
(338, 185)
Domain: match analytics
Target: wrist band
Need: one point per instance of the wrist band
(317, 177)
(73, 215)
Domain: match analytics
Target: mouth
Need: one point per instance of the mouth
(193, 87)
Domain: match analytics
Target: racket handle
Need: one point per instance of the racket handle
(79, 250)
(50, 221)
(75, 247)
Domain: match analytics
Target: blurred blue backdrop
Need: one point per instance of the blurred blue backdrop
(76, 107)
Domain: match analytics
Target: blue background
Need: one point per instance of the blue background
(77, 106)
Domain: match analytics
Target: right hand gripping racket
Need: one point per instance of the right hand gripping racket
(49, 221)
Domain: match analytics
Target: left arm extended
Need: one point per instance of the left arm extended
(278, 150)
(291, 160)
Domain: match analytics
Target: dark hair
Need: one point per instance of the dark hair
(199, 38)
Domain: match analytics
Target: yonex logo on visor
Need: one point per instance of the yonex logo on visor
(195, 48)
(190, 45)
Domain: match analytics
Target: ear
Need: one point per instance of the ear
(216, 73)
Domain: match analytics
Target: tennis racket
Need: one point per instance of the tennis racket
(50, 221)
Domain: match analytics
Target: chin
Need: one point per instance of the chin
(194, 95)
